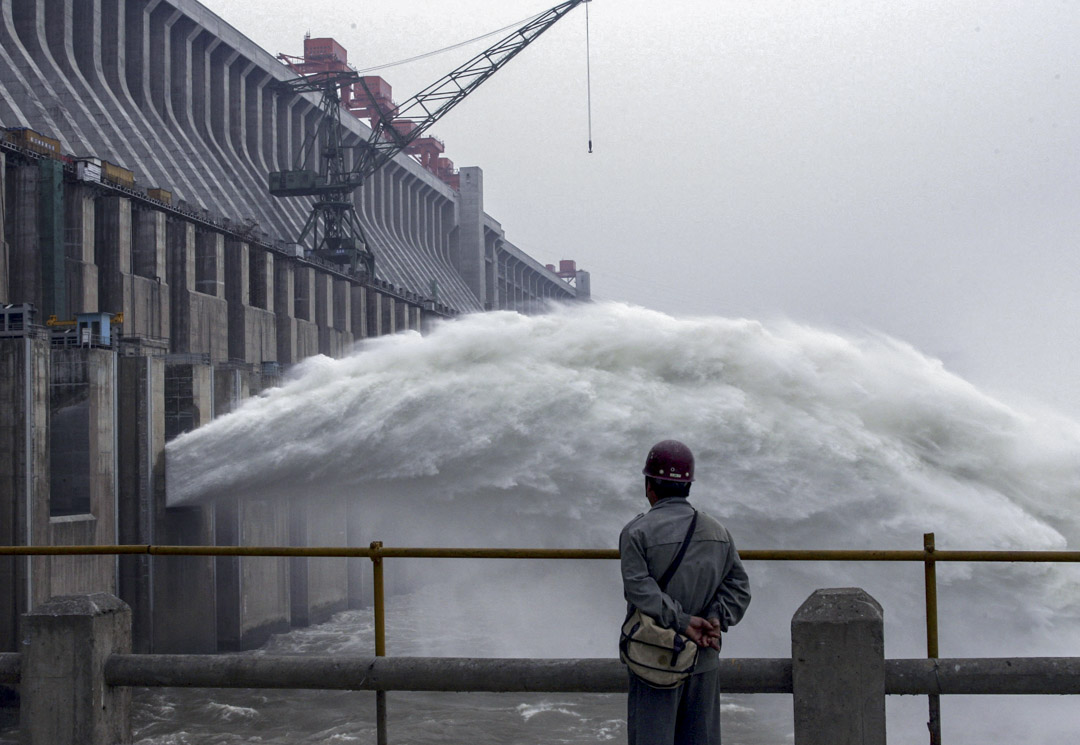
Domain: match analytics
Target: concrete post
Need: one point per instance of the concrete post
(284, 309)
(582, 284)
(210, 263)
(470, 254)
(318, 587)
(112, 248)
(50, 247)
(5, 295)
(183, 594)
(359, 308)
(328, 339)
(342, 317)
(232, 386)
(24, 478)
(150, 294)
(389, 315)
(24, 265)
(262, 279)
(148, 248)
(238, 296)
(374, 313)
(357, 569)
(180, 237)
(64, 696)
(252, 592)
(180, 240)
(324, 300)
(141, 462)
(304, 298)
(83, 476)
(838, 669)
(82, 272)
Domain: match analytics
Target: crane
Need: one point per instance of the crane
(333, 225)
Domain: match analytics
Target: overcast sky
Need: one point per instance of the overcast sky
(910, 166)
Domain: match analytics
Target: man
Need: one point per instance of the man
(707, 594)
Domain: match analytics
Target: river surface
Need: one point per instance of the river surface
(190, 717)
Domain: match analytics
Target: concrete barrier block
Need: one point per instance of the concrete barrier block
(64, 697)
(838, 669)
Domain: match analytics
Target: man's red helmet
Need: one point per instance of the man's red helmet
(670, 460)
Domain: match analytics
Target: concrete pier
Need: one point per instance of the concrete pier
(24, 469)
(21, 226)
(112, 254)
(80, 231)
(199, 319)
(183, 593)
(4, 278)
(838, 668)
(83, 467)
(65, 700)
(252, 592)
(319, 586)
(252, 328)
(141, 483)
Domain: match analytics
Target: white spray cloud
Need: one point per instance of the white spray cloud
(794, 429)
(503, 429)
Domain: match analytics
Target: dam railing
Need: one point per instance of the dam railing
(931, 677)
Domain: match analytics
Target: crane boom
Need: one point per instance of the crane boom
(333, 223)
(434, 102)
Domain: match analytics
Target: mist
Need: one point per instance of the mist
(506, 430)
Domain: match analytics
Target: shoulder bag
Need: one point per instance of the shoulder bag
(661, 657)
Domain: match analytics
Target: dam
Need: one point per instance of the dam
(149, 283)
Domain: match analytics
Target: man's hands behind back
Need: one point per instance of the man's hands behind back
(704, 632)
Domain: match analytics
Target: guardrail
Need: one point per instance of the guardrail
(906, 677)
(929, 556)
(75, 673)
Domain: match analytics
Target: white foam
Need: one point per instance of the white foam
(506, 430)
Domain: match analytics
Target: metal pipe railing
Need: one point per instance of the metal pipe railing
(388, 552)
(911, 677)
(973, 676)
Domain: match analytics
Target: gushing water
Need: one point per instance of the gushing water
(505, 430)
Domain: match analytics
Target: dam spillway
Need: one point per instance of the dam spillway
(143, 301)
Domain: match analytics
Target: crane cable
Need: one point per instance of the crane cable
(588, 72)
(452, 46)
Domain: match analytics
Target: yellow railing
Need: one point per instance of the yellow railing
(929, 556)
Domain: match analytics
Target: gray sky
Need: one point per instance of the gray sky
(911, 167)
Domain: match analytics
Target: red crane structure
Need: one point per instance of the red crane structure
(326, 55)
(333, 231)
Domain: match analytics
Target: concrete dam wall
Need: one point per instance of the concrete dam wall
(187, 103)
(141, 301)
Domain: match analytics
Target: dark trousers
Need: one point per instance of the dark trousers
(687, 715)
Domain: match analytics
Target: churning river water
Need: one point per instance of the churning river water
(499, 429)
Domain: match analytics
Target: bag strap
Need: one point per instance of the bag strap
(670, 571)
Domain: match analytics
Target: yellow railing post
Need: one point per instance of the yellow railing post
(380, 635)
(930, 565)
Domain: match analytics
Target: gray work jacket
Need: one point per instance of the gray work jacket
(710, 582)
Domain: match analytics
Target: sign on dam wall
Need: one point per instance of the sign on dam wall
(149, 283)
